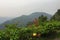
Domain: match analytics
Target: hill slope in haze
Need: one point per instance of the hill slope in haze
(3, 19)
(24, 19)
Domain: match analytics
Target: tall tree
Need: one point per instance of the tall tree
(36, 22)
(42, 18)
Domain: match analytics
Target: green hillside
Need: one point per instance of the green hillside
(39, 29)
(24, 19)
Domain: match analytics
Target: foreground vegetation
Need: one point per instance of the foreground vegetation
(39, 29)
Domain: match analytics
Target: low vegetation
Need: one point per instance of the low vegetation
(40, 29)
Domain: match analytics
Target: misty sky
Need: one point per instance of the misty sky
(14, 8)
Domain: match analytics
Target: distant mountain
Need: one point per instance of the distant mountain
(24, 19)
(3, 19)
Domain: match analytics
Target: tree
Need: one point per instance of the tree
(56, 16)
(43, 18)
(36, 22)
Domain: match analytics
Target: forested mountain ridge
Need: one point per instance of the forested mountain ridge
(24, 19)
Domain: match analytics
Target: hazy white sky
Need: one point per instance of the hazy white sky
(14, 8)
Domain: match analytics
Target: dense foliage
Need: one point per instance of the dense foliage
(11, 32)
(56, 16)
(38, 30)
